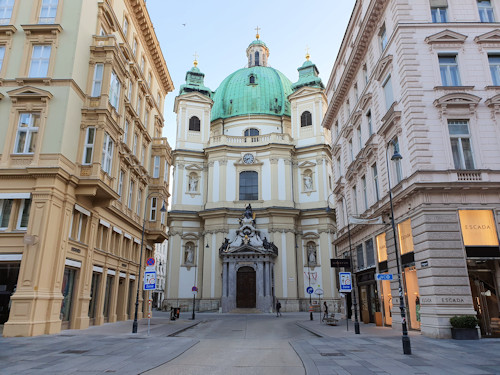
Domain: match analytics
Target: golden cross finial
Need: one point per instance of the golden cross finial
(307, 53)
(195, 62)
(257, 28)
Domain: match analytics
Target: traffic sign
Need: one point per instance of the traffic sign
(342, 262)
(150, 280)
(384, 276)
(319, 292)
(345, 281)
(310, 290)
(194, 289)
(150, 262)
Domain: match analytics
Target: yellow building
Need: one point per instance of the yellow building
(82, 160)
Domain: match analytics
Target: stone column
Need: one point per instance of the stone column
(260, 279)
(266, 279)
(224, 279)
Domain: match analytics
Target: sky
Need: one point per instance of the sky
(219, 31)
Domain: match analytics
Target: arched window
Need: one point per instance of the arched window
(252, 79)
(251, 132)
(249, 186)
(306, 119)
(257, 63)
(194, 124)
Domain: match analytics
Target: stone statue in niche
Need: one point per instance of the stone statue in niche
(311, 253)
(189, 254)
(308, 183)
(193, 183)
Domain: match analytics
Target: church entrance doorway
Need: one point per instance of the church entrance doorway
(245, 288)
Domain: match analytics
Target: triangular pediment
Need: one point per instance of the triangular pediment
(446, 36)
(192, 97)
(490, 37)
(457, 99)
(29, 92)
(382, 67)
(365, 100)
(305, 91)
(245, 249)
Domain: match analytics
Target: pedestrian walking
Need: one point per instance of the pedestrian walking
(325, 309)
(278, 308)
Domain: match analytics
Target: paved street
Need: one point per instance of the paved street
(243, 344)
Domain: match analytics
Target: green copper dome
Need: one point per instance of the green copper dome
(255, 90)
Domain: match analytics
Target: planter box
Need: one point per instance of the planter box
(464, 334)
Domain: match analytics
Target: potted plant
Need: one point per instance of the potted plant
(464, 327)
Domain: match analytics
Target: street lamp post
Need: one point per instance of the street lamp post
(405, 339)
(354, 300)
(163, 209)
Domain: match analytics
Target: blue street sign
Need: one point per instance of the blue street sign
(150, 280)
(384, 276)
(310, 290)
(345, 282)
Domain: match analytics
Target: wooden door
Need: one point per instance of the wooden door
(245, 288)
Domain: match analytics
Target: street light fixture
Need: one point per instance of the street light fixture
(354, 300)
(163, 209)
(405, 339)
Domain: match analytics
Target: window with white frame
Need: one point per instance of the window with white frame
(383, 37)
(165, 172)
(5, 211)
(27, 132)
(249, 186)
(158, 99)
(40, 58)
(24, 214)
(154, 207)
(134, 145)
(48, 11)
(143, 154)
(120, 184)
(150, 77)
(355, 200)
(130, 194)
(485, 11)
(138, 105)
(494, 61)
(375, 181)
(461, 147)
(125, 132)
(146, 118)
(439, 10)
(134, 48)
(365, 192)
(125, 27)
(2, 56)
(88, 148)
(448, 67)
(143, 64)
(79, 224)
(398, 169)
(139, 202)
(97, 82)
(107, 154)
(369, 122)
(129, 93)
(156, 167)
(6, 7)
(388, 93)
(114, 91)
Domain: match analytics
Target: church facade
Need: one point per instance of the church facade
(249, 223)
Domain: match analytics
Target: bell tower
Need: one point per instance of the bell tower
(257, 52)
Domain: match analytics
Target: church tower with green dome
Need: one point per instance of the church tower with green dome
(252, 179)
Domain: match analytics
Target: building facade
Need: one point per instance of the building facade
(82, 161)
(420, 78)
(252, 172)
(161, 267)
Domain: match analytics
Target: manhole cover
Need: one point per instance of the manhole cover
(74, 351)
(332, 354)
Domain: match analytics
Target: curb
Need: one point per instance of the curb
(184, 328)
(307, 362)
(312, 330)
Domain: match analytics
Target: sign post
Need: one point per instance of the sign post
(319, 292)
(345, 282)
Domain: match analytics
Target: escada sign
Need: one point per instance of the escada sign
(478, 228)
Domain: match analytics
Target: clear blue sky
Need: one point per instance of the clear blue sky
(219, 31)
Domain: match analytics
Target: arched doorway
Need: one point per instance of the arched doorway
(245, 288)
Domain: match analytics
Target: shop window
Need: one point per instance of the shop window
(48, 11)
(39, 63)
(107, 154)
(249, 185)
(485, 11)
(6, 7)
(439, 9)
(5, 211)
(94, 294)
(88, 148)
(461, 144)
(381, 248)
(194, 124)
(97, 81)
(27, 132)
(405, 237)
(305, 119)
(68, 283)
(448, 67)
(24, 214)
(114, 91)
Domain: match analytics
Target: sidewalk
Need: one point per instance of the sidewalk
(378, 350)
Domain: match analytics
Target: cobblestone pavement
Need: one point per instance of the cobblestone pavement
(243, 344)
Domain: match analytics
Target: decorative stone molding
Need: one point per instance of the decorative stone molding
(194, 167)
(307, 164)
(492, 37)
(355, 117)
(494, 104)
(382, 67)
(446, 37)
(457, 100)
(190, 236)
(390, 119)
(274, 160)
(365, 101)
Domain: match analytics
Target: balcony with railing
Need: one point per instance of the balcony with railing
(251, 141)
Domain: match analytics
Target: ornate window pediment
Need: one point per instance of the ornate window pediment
(446, 37)
(457, 100)
(365, 100)
(29, 93)
(494, 104)
(194, 167)
(490, 37)
(356, 116)
(382, 67)
(307, 164)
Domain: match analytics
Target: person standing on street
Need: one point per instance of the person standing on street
(325, 309)
(278, 308)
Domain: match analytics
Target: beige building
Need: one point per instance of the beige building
(422, 78)
(257, 140)
(82, 160)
